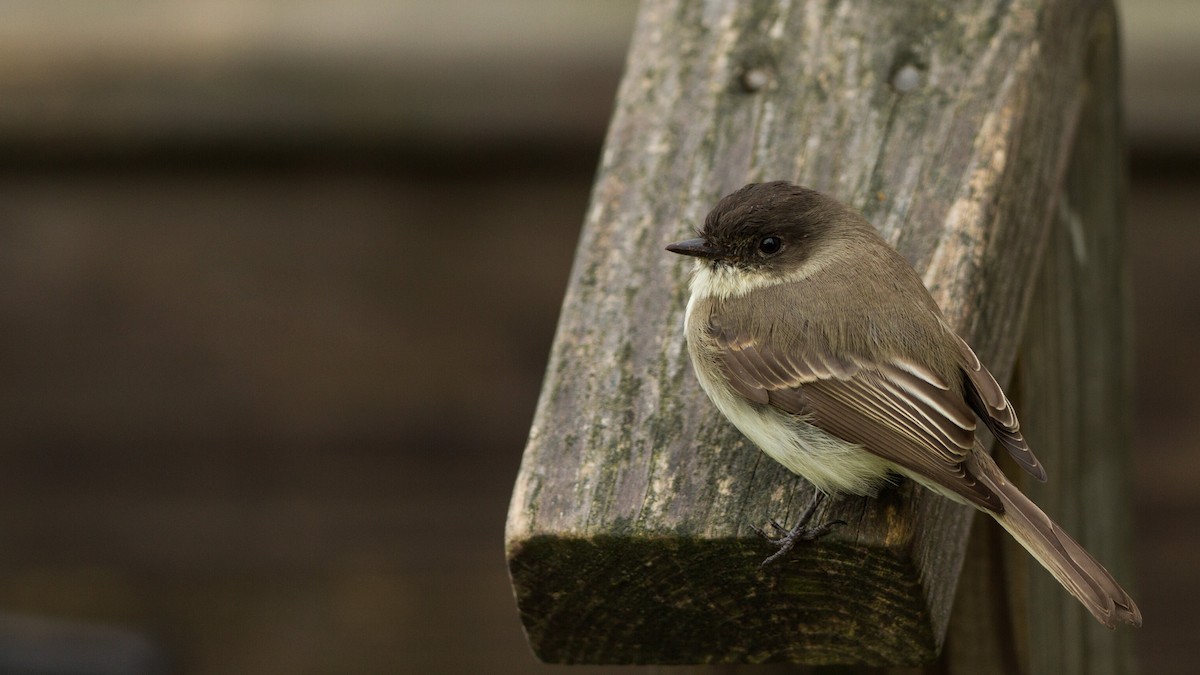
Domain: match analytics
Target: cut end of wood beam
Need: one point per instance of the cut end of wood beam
(677, 600)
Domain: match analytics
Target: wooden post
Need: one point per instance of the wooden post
(951, 125)
(1072, 384)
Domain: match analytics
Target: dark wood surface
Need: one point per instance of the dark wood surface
(629, 532)
(1075, 381)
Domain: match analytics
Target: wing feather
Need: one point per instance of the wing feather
(897, 410)
(987, 399)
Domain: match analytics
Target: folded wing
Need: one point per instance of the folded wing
(896, 409)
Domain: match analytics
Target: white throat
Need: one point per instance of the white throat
(723, 282)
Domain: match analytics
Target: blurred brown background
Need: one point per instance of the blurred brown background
(277, 284)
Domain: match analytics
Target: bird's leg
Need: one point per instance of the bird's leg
(785, 539)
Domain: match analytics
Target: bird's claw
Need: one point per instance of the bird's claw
(786, 538)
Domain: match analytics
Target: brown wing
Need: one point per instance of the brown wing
(896, 410)
(987, 399)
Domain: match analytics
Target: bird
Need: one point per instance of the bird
(821, 344)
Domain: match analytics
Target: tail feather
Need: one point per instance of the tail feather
(1081, 574)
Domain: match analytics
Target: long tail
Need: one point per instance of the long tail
(1074, 567)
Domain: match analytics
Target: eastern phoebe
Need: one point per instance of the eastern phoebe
(820, 343)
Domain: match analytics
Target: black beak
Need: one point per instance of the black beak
(695, 247)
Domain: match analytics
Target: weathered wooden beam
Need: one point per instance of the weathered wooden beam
(1072, 386)
(950, 125)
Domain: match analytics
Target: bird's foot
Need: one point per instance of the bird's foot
(786, 539)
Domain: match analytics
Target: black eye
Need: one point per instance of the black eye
(770, 245)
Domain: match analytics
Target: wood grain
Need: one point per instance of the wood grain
(628, 535)
(1073, 386)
